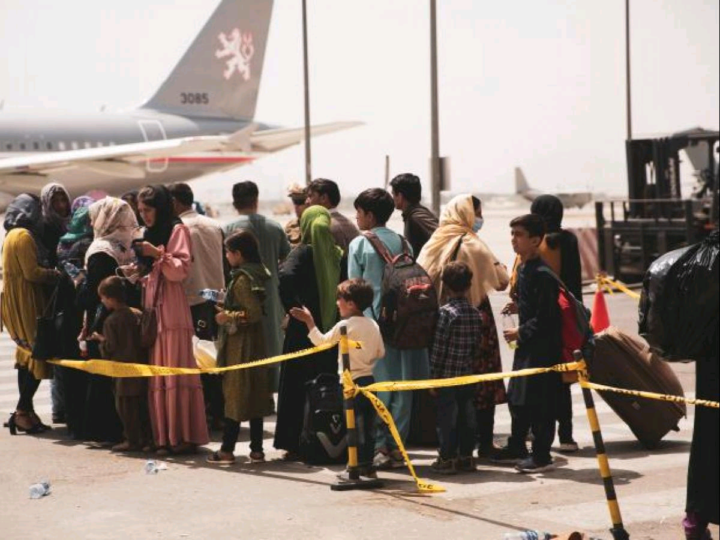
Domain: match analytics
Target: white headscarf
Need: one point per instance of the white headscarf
(456, 223)
(114, 225)
(49, 214)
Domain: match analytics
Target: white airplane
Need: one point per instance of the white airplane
(200, 121)
(569, 200)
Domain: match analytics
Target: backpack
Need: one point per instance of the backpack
(576, 330)
(322, 440)
(409, 306)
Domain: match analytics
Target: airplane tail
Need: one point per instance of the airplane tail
(521, 183)
(219, 75)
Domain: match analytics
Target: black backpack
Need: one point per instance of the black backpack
(409, 306)
(323, 441)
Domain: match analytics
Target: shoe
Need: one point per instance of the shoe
(444, 466)
(59, 419)
(570, 447)
(369, 473)
(257, 457)
(386, 461)
(217, 458)
(466, 464)
(508, 456)
(488, 452)
(529, 466)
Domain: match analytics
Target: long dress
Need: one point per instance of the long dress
(298, 287)
(177, 407)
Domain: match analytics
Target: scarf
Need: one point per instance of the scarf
(165, 220)
(83, 201)
(114, 225)
(456, 228)
(79, 227)
(25, 212)
(315, 228)
(50, 216)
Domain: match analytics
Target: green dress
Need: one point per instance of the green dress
(247, 394)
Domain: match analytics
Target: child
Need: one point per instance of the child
(354, 298)
(120, 342)
(533, 399)
(454, 353)
(241, 340)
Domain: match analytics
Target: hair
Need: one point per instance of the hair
(182, 193)
(245, 194)
(245, 243)
(323, 186)
(358, 291)
(378, 202)
(113, 287)
(409, 186)
(476, 203)
(532, 223)
(457, 277)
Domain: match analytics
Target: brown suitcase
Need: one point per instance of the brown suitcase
(625, 361)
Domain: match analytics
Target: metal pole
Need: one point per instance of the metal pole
(306, 69)
(435, 158)
(628, 72)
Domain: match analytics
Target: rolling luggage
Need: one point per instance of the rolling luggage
(323, 440)
(625, 361)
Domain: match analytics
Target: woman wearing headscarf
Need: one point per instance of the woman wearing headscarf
(25, 273)
(56, 215)
(177, 407)
(309, 277)
(457, 239)
(113, 224)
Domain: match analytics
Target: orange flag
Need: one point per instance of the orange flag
(600, 317)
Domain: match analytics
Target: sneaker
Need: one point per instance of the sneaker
(444, 466)
(369, 473)
(508, 456)
(397, 460)
(466, 464)
(529, 466)
(382, 461)
(570, 447)
(257, 457)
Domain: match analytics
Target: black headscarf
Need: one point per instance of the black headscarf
(551, 209)
(159, 198)
(25, 212)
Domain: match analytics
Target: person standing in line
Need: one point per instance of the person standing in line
(25, 275)
(420, 222)
(241, 340)
(298, 195)
(454, 351)
(206, 272)
(177, 407)
(308, 278)
(374, 208)
(539, 345)
(323, 192)
(457, 239)
(274, 248)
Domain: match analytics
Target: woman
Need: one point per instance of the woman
(56, 215)
(456, 239)
(114, 225)
(309, 277)
(177, 407)
(241, 340)
(25, 274)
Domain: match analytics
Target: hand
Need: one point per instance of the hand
(129, 270)
(79, 279)
(96, 337)
(512, 334)
(303, 315)
(148, 250)
(222, 318)
(510, 309)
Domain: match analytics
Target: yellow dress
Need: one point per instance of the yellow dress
(23, 298)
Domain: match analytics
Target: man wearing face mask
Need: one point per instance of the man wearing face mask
(420, 223)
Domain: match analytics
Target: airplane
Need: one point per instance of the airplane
(200, 121)
(569, 200)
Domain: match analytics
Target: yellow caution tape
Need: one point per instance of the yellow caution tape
(610, 284)
(652, 395)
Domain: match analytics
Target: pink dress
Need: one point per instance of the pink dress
(177, 406)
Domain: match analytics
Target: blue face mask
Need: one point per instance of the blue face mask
(478, 225)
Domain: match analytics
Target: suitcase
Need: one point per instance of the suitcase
(625, 361)
(323, 439)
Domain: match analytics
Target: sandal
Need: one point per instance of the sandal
(216, 458)
(16, 424)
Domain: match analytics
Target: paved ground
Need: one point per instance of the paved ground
(97, 495)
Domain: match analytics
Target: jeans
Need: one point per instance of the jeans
(232, 430)
(456, 421)
(565, 414)
(542, 424)
(365, 417)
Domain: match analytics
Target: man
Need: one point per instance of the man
(326, 193)
(420, 223)
(298, 195)
(206, 272)
(374, 208)
(274, 248)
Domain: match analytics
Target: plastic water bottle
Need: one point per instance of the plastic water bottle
(528, 535)
(510, 324)
(40, 490)
(212, 295)
(83, 349)
(151, 467)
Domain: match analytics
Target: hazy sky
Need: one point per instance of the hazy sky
(529, 83)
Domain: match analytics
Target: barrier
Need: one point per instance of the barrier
(611, 285)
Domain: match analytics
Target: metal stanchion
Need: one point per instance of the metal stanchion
(352, 479)
(618, 531)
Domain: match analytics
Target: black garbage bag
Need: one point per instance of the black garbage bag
(680, 305)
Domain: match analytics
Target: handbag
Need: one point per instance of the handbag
(149, 320)
(47, 333)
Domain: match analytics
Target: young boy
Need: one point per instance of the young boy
(120, 342)
(353, 298)
(453, 354)
(533, 399)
